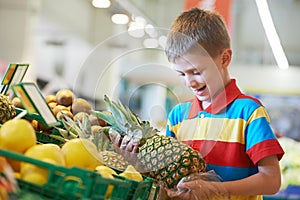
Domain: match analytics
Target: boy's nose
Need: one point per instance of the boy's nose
(190, 82)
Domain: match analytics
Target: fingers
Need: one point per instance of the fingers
(125, 143)
(117, 140)
(176, 194)
(186, 185)
(135, 148)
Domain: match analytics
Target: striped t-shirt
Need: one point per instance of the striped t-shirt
(232, 134)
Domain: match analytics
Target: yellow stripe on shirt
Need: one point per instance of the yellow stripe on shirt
(219, 129)
(258, 113)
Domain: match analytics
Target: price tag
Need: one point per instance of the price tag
(14, 74)
(34, 102)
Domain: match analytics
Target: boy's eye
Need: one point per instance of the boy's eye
(180, 74)
(196, 73)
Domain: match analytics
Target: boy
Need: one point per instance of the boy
(230, 130)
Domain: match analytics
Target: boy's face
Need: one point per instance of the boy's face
(204, 75)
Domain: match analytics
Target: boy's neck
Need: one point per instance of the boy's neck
(205, 104)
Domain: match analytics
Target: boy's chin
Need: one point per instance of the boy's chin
(204, 98)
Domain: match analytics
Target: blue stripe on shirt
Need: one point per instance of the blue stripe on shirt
(231, 173)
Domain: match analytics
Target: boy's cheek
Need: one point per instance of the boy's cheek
(183, 81)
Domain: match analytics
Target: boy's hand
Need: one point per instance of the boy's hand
(128, 149)
(126, 144)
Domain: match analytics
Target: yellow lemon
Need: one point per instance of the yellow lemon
(48, 151)
(105, 171)
(17, 135)
(81, 153)
(35, 174)
(131, 173)
(45, 152)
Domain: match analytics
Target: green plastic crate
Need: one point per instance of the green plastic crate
(70, 183)
(141, 190)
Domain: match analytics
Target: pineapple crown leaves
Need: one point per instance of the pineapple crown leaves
(78, 128)
(83, 128)
(123, 120)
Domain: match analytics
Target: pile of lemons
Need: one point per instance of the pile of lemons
(18, 135)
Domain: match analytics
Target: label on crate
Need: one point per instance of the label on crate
(34, 102)
(14, 74)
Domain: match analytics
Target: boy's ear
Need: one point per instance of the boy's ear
(226, 57)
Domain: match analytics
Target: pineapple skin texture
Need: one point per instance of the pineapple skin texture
(167, 160)
(7, 110)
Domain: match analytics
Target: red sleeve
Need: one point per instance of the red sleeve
(264, 149)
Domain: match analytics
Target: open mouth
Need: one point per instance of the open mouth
(200, 89)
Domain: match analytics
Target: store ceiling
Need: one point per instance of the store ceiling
(248, 37)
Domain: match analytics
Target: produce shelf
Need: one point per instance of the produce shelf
(76, 183)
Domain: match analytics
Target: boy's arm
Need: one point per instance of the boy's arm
(267, 181)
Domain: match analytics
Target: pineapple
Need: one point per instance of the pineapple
(7, 110)
(114, 160)
(162, 158)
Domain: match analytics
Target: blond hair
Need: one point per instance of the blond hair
(197, 29)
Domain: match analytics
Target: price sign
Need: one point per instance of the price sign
(14, 74)
(34, 102)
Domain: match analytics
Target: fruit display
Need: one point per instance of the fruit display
(41, 167)
(63, 103)
(162, 158)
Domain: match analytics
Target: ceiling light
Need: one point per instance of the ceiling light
(136, 30)
(271, 33)
(150, 43)
(120, 19)
(101, 3)
(150, 30)
(140, 20)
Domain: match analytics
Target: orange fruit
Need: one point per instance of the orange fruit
(17, 135)
(81, 153)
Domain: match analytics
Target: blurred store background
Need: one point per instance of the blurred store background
(115, 47)
(75, 44)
